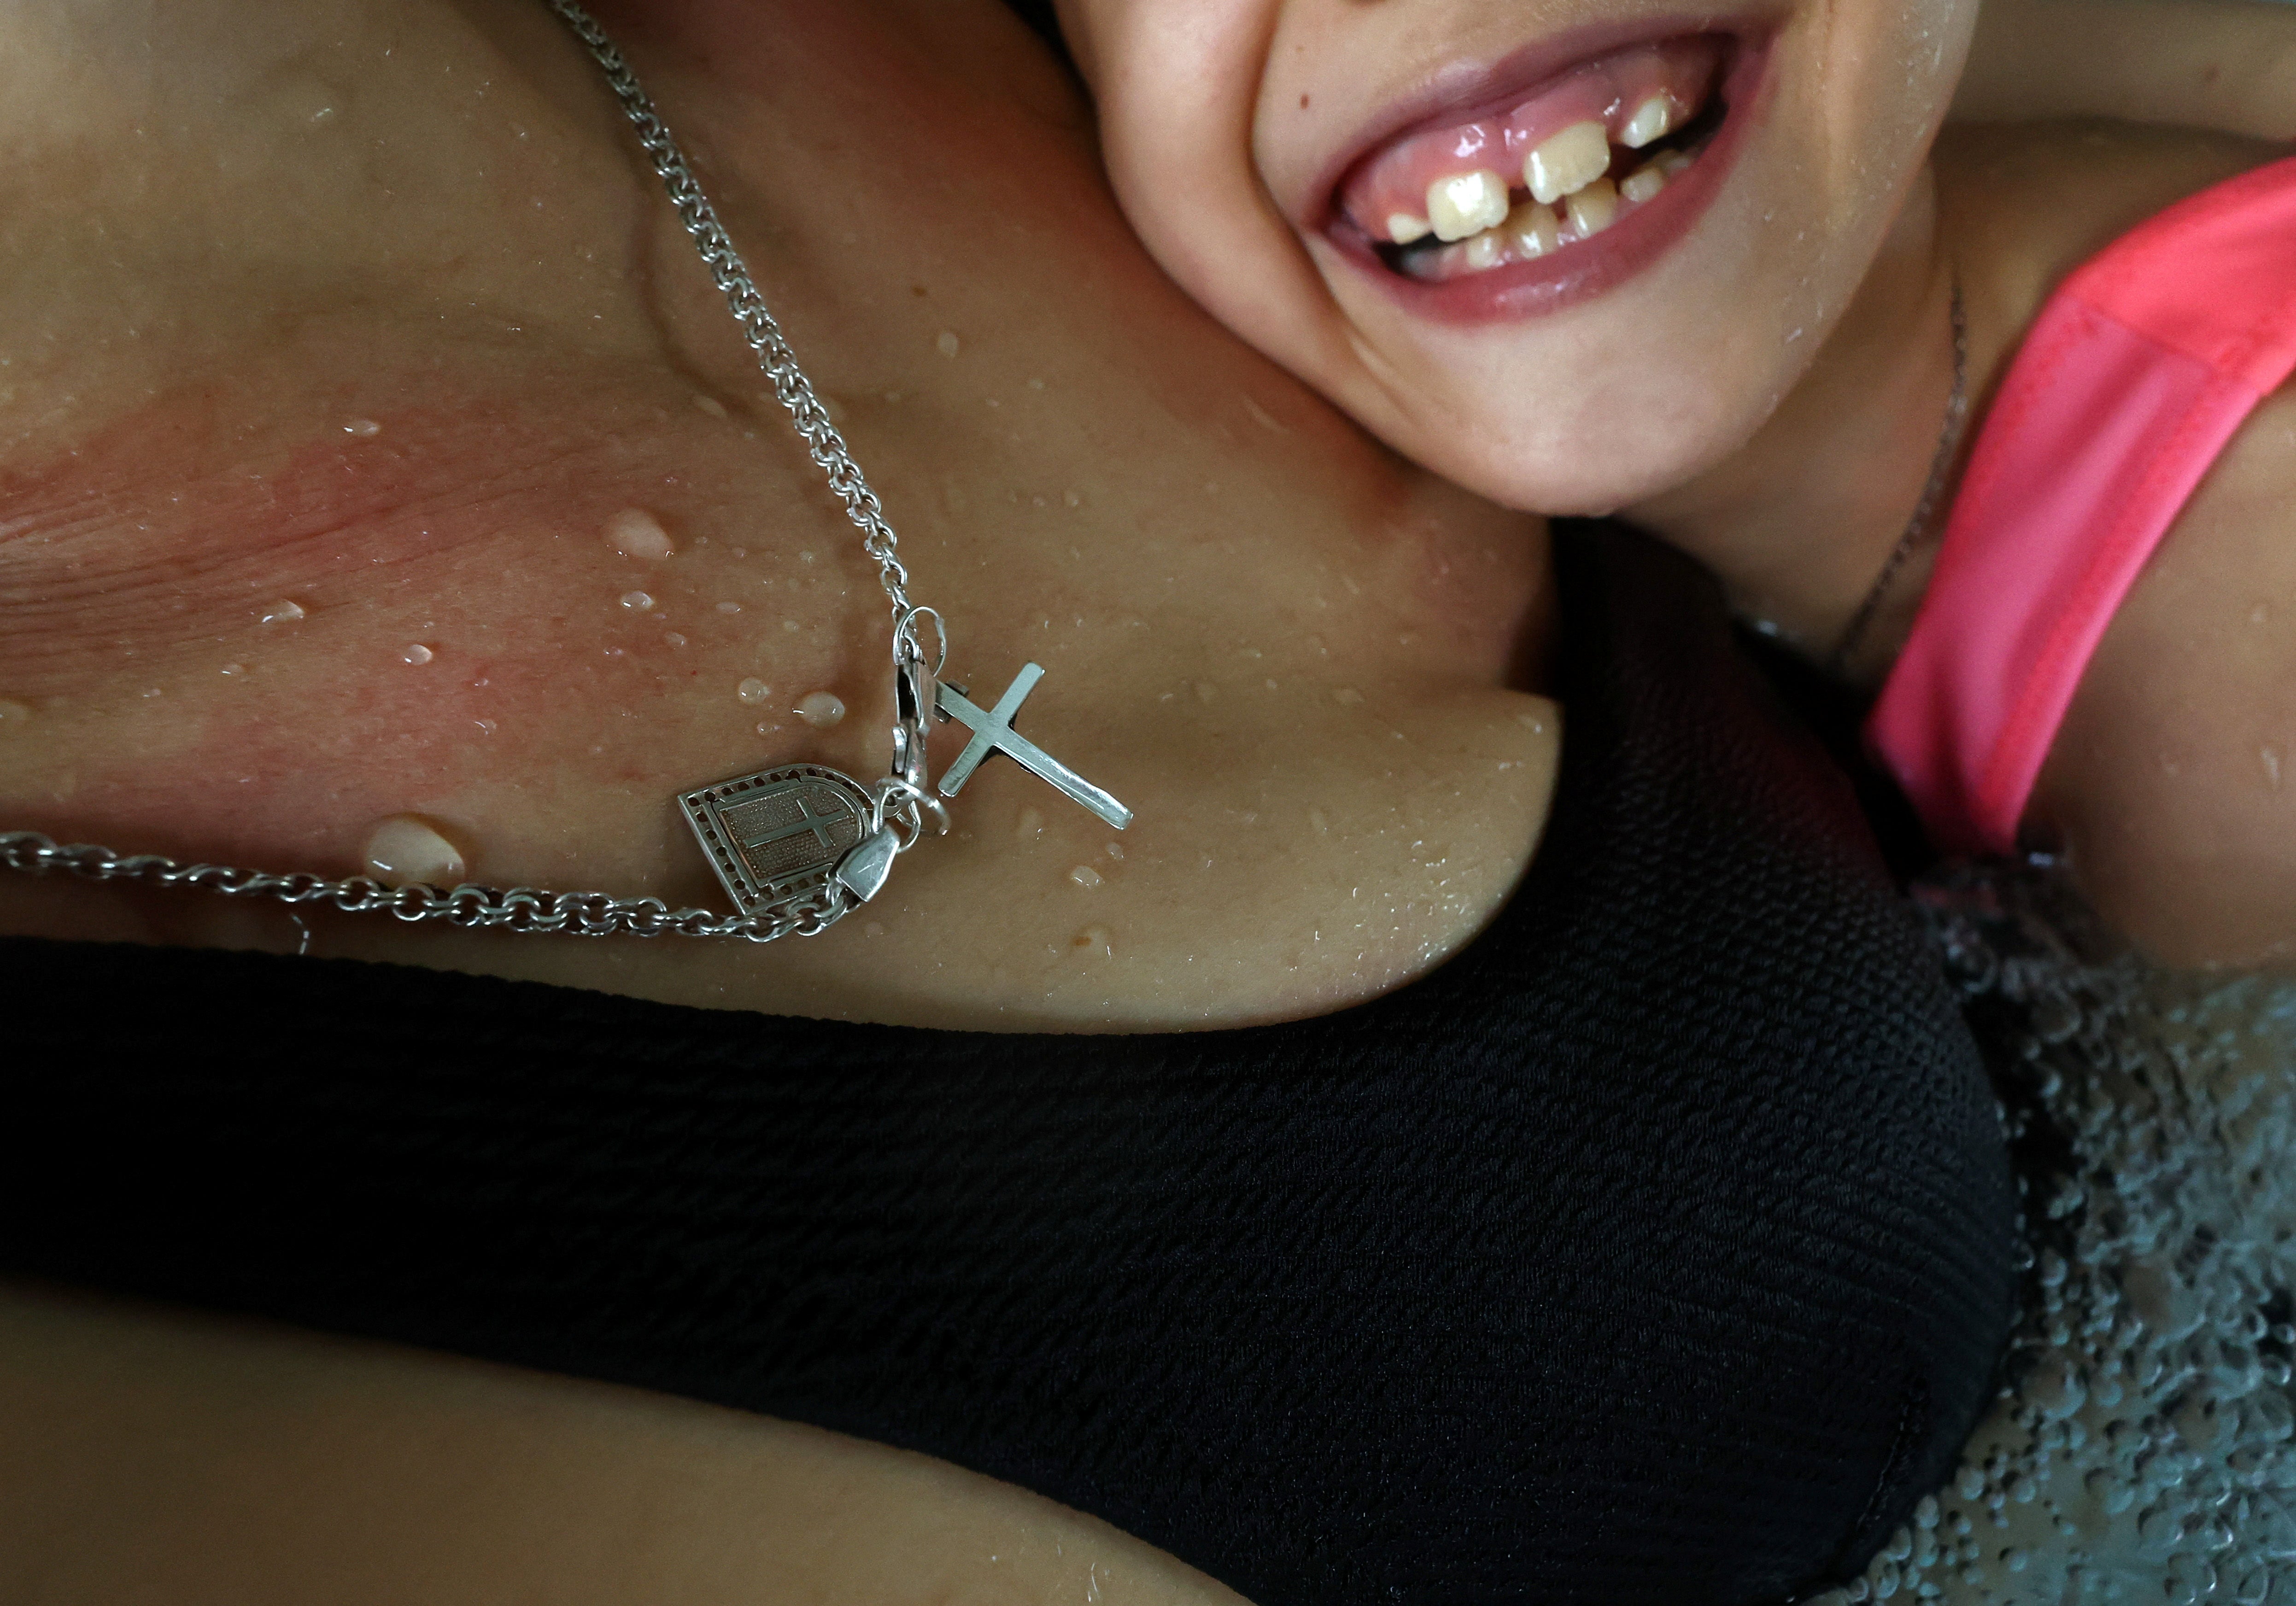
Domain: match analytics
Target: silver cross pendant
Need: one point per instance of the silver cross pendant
(993, 732)
(803, 844)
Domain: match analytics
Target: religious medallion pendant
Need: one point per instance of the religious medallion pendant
(803, 845)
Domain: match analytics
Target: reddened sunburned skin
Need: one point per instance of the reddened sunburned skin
(1506, 237)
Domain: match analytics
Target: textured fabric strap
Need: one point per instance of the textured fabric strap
(2138, 373)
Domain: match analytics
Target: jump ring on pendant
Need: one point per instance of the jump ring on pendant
(905, 635)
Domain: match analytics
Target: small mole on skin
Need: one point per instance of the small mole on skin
(417, 653)
(636, 533)
(282, 613)
(820, 709)
(1092, 941)
(364, 428)
(405, 849)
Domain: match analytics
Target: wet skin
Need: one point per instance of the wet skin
(1305, 665)
(1298, 660)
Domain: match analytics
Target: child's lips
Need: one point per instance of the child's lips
(1558, 173)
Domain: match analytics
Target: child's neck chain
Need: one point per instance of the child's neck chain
(797, 847)
(1918, 526)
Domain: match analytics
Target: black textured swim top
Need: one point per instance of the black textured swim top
(1657, 1249)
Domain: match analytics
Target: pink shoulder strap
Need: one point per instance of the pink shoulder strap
(2139, 369)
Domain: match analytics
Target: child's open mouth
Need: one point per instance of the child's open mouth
(1536, 173)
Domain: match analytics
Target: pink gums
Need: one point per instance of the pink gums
(1608, 91)
(1586, 267)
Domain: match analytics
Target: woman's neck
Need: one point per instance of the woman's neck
(1801, 521)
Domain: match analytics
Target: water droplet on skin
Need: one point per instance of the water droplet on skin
(821, 710)
(729, 607)
(1032, 825)
(791, 625)
(2269, 756)
(753, 691)
(1206, 691)
(12, 714)
(710, 404)
(768, 727)
(282, 613)
(1271, 683)
(1317, 818)
(1116, 850)
(1085, 875)
(674, 638)
(1347, 695)
(486, 727)
(417, 653)
(873, 929)
(636, 533)
(2260, 613)
(234, 669)
(636, 602)
(363, 428)
(947, 341)
(404, 849)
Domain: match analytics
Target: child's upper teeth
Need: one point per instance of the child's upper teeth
(1466, 203)
(1652, 120)
(1403, 228)
(1566, 161)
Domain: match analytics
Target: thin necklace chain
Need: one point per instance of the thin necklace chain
(1918, 527)
(529, 909)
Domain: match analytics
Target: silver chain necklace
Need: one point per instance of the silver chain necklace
(797, 848)
(1918, 527)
